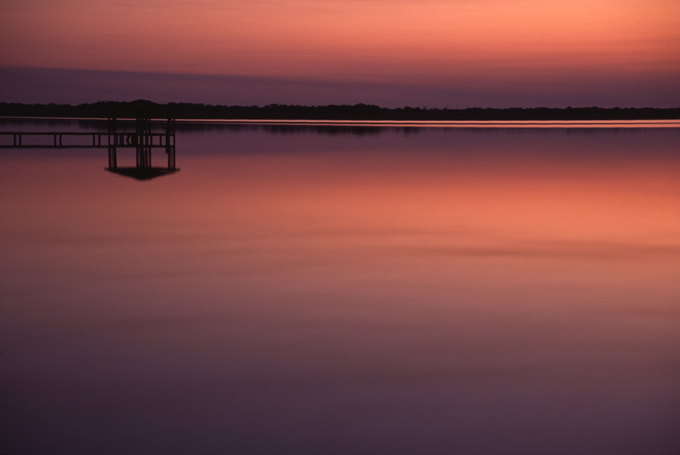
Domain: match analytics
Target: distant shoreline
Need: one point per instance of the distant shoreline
(358, 112)
(336, 125)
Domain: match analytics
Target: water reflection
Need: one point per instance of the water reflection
(447, 292)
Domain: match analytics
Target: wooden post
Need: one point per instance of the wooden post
(170, 143)
(112, 138)
(142, 142)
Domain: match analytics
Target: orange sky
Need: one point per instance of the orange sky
(396, 41)
(342, 38)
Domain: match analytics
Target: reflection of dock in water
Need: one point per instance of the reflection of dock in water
(142, 139)
(142, 173)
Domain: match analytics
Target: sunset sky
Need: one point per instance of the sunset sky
(455, 53)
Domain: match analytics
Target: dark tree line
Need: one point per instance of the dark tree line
(104, 109)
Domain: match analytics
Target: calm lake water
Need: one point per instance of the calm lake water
(344, 290)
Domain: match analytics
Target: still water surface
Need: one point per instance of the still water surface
(345, 289)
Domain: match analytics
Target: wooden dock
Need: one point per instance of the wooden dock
(142, 139)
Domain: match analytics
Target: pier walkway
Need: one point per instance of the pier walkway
(142, 139)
